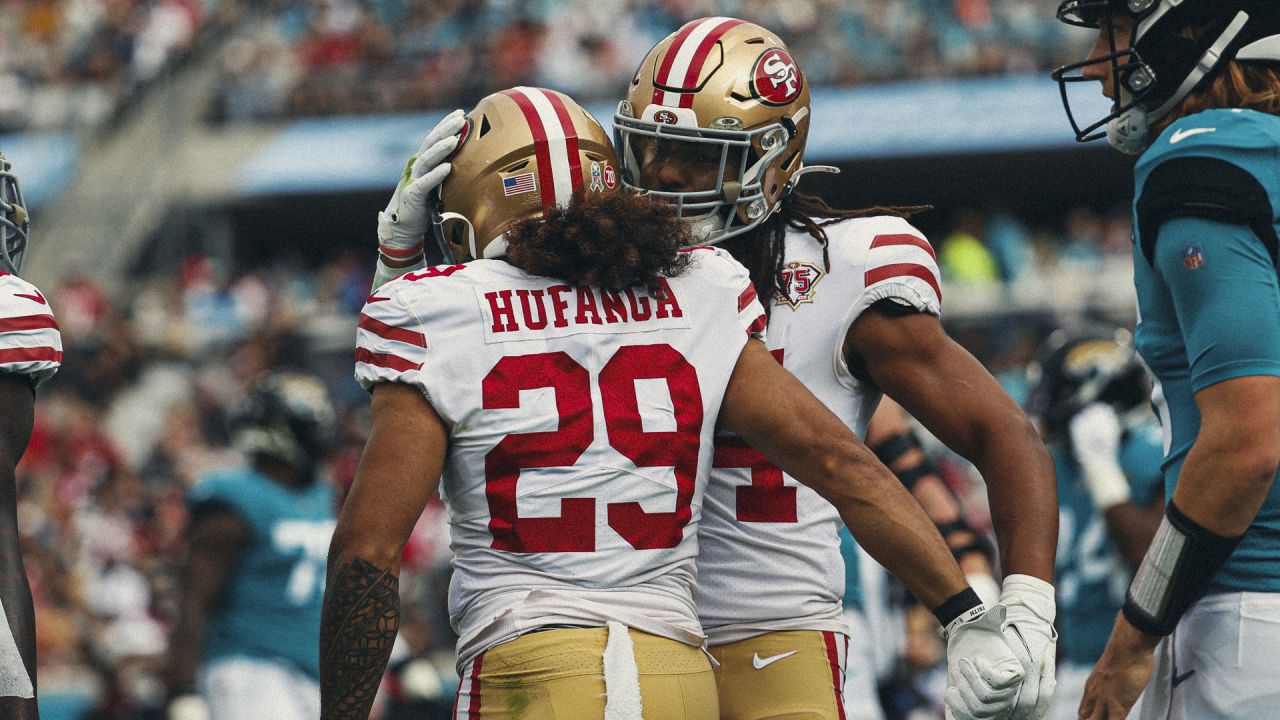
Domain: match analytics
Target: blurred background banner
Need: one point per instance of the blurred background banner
(204, 177)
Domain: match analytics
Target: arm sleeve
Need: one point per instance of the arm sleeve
(391, 342)
(1226, 296)
(901, 267)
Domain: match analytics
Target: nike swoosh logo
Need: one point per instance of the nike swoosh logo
(37, 297)
(372, 299)
(760, 663)
(1181, 135)
(1178, 679)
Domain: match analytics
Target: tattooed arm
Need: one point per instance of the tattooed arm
(399, 470)
(16, 420)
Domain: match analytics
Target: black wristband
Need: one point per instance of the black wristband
(1178, 567)
(956, 605)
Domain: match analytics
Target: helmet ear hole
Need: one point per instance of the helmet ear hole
(485, 127)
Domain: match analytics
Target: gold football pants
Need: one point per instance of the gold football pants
(784, 675)
(559, 675)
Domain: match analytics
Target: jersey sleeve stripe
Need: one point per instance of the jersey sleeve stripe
(887, 272)
(388, 332)
(904, 239)
(28, 322)
(30, 354)
(747, 297)
(386, 360)
(758, 325)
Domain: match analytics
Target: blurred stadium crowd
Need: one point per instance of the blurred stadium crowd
(138, 411)
(77, 63)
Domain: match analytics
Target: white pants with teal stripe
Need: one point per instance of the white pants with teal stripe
(1221, 663)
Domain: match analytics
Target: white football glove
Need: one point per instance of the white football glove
(1028, 628)
(1095, 443)
(403, 225)
(983, 673)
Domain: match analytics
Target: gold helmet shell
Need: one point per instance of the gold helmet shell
(522, 152)
(726, 83)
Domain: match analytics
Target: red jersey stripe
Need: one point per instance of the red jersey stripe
(570, 138)
(383, 330)
(758, 325)
(28, 322)
(885, 272)
(30, 354)
(904, 239)
(386, 360)
(473, 712)
(541, 149)
(746, 298)
(837, 672)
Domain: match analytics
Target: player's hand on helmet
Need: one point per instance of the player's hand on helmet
(1095, 442)
(983, 672)
(1028, 628)
(403, 225)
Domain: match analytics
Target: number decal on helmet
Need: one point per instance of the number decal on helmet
(775, 78)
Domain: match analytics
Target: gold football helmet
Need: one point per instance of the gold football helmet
(522, 152)
(14, 222)
(718, 90)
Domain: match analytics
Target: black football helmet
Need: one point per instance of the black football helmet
(1175, 48)
(14, 221)
(288, 418)
(1076, 368)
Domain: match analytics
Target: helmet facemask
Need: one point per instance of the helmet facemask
(1163, 63)
(14, 221)
(735, 201)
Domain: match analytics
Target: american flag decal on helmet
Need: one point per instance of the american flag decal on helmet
(517, 184)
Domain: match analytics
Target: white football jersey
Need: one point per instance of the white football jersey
(770, 558)
(581, 428)
(30, 343)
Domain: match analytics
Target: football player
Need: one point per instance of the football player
(1090, 395)
(30, 353)
(715, 122)
(244, 644)
(567, 380)
(1195, 87)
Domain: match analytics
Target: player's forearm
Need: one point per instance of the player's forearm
(1224, 482)
(1022, 493)
(883, 518)
(15, 593)
(357, 629)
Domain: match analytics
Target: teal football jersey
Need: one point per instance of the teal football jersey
(271, 606)
(1205, 251)
(1091, 574)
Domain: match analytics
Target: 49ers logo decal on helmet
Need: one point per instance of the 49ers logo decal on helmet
(666, 117)
(775, 78)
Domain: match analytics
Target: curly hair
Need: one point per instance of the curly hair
(763, 250)
(612, 241)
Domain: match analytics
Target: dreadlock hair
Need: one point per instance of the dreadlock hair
(612, 241)
(763, 250)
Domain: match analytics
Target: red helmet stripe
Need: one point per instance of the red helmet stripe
(546, 184)
(555, 142)
(686, 56)
(700, 59)
(570, 139)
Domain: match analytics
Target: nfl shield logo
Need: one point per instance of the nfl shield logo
(1192, 257)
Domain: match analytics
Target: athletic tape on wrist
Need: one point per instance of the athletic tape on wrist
(1177, 569)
